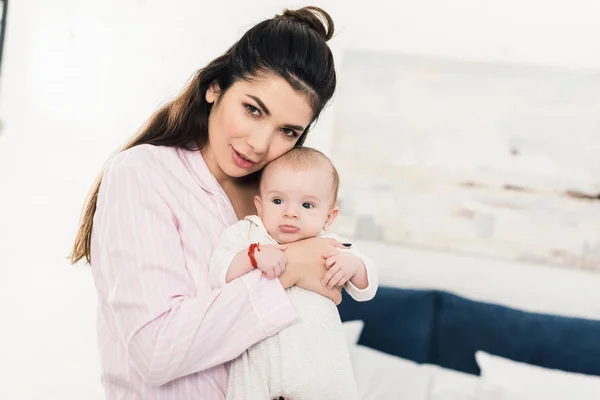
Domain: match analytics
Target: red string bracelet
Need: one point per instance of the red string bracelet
(251, 248)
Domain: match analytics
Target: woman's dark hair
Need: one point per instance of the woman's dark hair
(291, 45)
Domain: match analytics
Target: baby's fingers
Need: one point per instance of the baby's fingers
(342, 281)
(330, 262)
(331, 254)
(282, 265)
(336, 280)
(270, 273)
(327, 278)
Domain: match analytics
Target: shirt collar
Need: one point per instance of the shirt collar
(195, 163)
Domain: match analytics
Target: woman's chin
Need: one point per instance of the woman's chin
(233, 171)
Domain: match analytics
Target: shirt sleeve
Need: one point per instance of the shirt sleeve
(170, 326)
(357, 294)
(231, 241)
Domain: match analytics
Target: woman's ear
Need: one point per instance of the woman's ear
(258, 205)
(331, 217)
(212, 93)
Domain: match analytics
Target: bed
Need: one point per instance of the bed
(448, 327)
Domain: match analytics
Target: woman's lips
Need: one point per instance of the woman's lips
(240, 160)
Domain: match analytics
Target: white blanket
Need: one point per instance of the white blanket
(308, 360)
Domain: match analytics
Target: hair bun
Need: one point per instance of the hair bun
(314, 17)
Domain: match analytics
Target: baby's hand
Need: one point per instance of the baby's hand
(271, 260)
(342, 267)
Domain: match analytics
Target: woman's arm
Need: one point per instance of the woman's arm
(306, 266)
(304, 259)
(171, 327)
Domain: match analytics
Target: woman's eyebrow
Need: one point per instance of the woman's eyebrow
(266, 110)
(260, 103)
(295, 127)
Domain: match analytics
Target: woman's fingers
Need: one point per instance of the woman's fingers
(335, 294)
(331, 254)
(337, 244)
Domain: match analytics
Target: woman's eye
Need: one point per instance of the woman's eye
(277, 201)
(289, 132)
(307, 205)
(253, 110)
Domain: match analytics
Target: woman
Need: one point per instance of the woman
(153, 220)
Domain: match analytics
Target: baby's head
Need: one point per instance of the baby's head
(298, 195)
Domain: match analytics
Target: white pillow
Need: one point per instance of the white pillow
(448, 380)
(533, 382)
(384, 376)
(449, 384)
(352, 331)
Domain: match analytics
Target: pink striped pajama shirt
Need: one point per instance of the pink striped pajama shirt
(163, 333)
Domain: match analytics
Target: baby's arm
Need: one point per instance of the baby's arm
(269, 259)
(360, 278)
(240, 265)
(227, 261)
(231, 258)
(357, 288)
(351, 269)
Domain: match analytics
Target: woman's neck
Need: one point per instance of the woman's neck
(241, 192)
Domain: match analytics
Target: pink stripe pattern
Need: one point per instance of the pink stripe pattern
(163, 333)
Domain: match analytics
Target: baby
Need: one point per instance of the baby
(309, 359)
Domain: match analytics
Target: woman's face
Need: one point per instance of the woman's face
(253, 123)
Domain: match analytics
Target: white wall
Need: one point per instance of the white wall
(79, 77)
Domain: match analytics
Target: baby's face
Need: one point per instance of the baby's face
(296, 204)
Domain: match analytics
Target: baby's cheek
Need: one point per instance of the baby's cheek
(270, 222)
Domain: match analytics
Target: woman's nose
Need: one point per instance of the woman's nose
(260, 140)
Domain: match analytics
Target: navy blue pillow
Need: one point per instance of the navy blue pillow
(398, 322)
(465, 326)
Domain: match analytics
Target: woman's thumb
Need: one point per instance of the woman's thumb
(337, 244)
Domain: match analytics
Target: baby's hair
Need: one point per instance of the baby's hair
(302, 158)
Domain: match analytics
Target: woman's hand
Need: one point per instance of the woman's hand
(306, 266)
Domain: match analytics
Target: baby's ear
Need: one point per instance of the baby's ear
(331, 217)
(258, 205)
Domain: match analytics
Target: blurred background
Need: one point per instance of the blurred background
(489, 186)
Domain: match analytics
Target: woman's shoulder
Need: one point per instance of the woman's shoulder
(143, 163)
(143, 156)
(140, 154)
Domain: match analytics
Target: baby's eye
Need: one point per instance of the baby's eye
(277, 201)
(307, 205)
